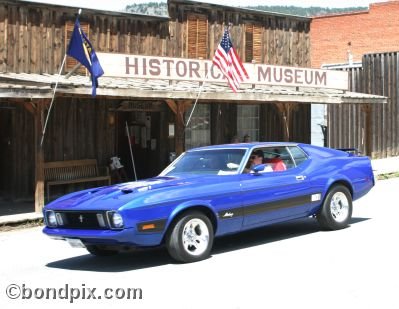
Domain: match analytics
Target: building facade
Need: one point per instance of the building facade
(150, 114)
(364, 44)
(337, 38)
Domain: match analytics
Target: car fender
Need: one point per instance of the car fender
(339, 178)
(187, 205)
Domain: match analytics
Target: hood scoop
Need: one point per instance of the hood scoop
(138, 189)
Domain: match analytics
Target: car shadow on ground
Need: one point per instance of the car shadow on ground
(155, 257)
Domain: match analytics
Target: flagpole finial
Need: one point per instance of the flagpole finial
(79, 12)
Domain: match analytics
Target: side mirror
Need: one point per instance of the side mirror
(258, 168)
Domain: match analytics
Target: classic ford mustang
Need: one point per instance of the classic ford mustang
(212, 191)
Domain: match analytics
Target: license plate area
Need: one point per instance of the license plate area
(75, 243)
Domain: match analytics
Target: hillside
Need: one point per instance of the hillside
(160, 8)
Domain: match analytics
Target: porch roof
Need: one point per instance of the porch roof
(40, 86)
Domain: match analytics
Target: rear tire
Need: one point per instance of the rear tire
(100, 251)
(191, 238)
(336, 211)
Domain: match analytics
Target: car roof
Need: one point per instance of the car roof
(244, 145)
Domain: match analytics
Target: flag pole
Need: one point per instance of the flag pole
(196, 100)
(131, 151)
(54, 91)
(52, 101)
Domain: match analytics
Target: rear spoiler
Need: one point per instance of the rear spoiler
(351, 151)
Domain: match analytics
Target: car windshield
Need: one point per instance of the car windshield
(211, 161)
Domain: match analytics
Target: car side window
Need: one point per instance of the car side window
(298, 155)
(279, 158)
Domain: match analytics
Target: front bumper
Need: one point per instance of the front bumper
(128, 236)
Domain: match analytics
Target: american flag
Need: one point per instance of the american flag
(227, 60)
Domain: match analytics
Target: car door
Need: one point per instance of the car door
(275, 196)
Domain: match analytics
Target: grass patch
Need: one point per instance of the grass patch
(388, 176)
(21, 225)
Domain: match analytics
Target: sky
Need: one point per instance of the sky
(119, 5)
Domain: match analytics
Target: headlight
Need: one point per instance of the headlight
(115, 219)
(51, 218)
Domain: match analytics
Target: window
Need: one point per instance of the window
(198, 132)
(298, 155)
(279, 158)
(70, 62)
(253, 43)
(248, 122)
(197, 36)
(211, 161)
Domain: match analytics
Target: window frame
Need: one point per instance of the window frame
(200, 53)
(245, 130)
(198, 114)
(256, 30)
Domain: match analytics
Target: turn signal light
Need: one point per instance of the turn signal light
(148, 226)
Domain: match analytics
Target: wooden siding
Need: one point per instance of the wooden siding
(33, 36)
(347, 124)
(280, 40)
(272, 126)
(78, 129)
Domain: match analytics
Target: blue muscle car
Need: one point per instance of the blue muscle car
(212, 191)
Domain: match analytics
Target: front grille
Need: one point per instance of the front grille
(83, 220)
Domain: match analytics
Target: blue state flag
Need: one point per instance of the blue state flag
(81, 49)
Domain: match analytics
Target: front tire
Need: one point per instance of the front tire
(191, 238)
(336, 211)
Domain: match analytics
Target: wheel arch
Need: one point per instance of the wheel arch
(206, 210)
(342, 182)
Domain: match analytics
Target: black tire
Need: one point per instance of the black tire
(335, 215)
(100, 251)
(186, 247)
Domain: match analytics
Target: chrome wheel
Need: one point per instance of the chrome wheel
(336, 210)
(195, 237)
(339, 207)
(190, 238)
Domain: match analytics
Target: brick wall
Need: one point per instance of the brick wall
(370, 31)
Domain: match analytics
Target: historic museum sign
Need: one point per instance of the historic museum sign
(151, 67)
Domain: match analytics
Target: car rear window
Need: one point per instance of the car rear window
(298, 155)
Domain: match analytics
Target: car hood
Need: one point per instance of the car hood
(115, 196)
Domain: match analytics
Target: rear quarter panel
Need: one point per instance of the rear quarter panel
(328, 167)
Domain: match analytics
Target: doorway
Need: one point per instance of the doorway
(5, 151)
(145, 134)
(17, 164)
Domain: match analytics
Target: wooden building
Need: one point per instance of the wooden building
(373, 129)
(33, 42)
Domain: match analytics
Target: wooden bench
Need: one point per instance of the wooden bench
(74, 171)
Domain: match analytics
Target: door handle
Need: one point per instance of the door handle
(300, 177)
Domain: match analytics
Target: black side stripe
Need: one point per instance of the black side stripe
(264, 207)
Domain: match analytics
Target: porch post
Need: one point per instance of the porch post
(284, 109)
(178, 108)
(39, 156)
(366, 108)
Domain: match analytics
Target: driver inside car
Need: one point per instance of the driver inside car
(257, 157)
